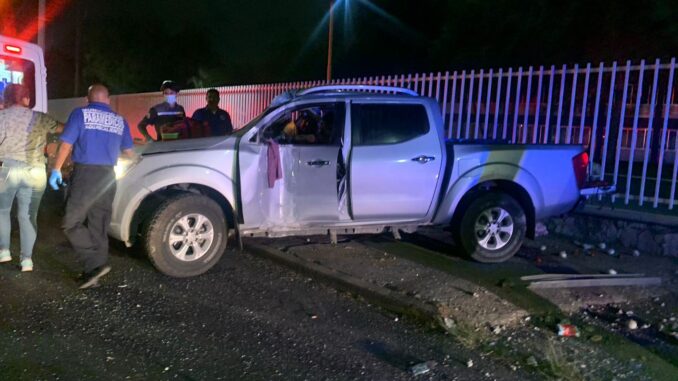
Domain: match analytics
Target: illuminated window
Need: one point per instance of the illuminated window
(18, 71)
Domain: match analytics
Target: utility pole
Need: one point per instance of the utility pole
(329, 43)
(41, 23)
(78, 38)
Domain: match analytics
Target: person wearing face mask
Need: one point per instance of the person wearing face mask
(217, 119)
(163, 114)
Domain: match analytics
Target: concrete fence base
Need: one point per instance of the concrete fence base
(646, 238)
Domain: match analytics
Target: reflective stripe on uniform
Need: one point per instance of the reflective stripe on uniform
(163, 113)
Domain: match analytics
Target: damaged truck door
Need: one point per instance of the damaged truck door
(308, 139)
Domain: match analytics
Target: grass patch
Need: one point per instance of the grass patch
(557, 367)
(468, 336)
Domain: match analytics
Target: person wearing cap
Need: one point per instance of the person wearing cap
(23, 136)
(218, 120)
(165, 113)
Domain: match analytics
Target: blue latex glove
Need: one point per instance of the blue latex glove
(55, 179)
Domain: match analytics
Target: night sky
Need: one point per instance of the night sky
(133, 45)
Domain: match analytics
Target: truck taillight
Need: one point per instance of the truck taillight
(581, 166)
(13, 49)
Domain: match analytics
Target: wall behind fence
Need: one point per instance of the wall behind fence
(625, 114)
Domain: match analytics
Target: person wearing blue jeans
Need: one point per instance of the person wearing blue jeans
(23, 136)
(26, 184)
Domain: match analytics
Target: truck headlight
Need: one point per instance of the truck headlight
(124, 165)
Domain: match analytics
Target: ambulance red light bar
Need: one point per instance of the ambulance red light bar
(13, 49)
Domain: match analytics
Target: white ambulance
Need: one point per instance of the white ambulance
(23, 63)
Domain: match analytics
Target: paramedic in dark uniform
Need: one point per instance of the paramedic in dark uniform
(218, 120)
(164, 113)
(97, 136)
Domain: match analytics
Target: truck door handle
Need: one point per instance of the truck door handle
(423, 159)
(317, 163)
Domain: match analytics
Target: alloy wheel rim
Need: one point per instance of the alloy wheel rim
(191, 237)
(493, 228)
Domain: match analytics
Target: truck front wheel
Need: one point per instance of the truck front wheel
(186, 236)
(492, 228)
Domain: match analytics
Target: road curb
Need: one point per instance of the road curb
(390, 300)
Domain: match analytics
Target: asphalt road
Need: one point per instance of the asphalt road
(247, 318)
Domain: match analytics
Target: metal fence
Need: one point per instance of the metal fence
(626, 115)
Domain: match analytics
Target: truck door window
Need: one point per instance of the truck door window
(378, 124)
(308, 125)
(18, 71)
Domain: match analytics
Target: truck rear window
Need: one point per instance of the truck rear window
(19, 71)
(378, 124)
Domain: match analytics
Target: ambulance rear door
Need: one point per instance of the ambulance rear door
(23, 63)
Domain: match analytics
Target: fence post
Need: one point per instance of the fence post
(487, 103)
(461, 103)
(450, 125)
(583, 103)
(507, 104)
(667, 109)
(572, 102)
(444, 108)
(469, 106)
(478, 105)
(634, 132)
(547, 124)
(516, 109)
(538, 109)
(621, 125)
(430, 85)
(648, 136)
(594, 128)
(560, 103)
(497, 101)
(609, 116)
(525, 128)
(438, 88)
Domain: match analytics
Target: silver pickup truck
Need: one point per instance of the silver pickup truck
(340, 160)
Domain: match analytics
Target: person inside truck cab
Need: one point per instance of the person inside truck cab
(164, 114)
(303, 128)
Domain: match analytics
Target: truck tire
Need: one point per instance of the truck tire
(492, 228)
(186, 236)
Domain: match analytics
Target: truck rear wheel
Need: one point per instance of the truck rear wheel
(492, 228)
(186, 236)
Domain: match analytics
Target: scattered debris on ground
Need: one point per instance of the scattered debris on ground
(589, 280)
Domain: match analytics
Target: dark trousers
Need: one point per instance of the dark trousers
(88, 212)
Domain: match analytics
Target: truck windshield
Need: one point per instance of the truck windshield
(241, 131)
(19, 71)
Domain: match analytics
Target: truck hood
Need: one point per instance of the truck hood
(212, 143)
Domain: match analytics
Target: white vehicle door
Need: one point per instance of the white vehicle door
(395, 161)
(22, 63)
(309, 138)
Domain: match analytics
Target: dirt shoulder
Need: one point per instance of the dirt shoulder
(485, 307)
